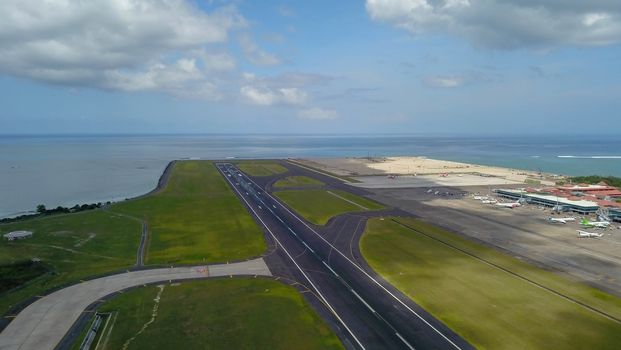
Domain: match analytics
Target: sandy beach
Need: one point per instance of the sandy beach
(422, 166)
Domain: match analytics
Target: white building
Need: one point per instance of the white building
(11, 236)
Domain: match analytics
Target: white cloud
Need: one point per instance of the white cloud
(317, 113)
(217, 61)
(157, 45)
(255, 54)
(290, 79)
(265, 96)
(181, 79)
(443, 81)
(507, 24)
(461, 79)
(283, 89)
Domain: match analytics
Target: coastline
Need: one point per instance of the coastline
(161, 183)
(351, 167)
(65, 170)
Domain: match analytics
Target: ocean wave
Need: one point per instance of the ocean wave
(591, 157)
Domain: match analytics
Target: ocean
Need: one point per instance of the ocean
(69, 170)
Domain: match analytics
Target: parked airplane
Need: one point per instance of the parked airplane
(561, 220)
(509, 205)
(597, 224)
(584, 234)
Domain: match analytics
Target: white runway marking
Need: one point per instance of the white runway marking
(347, 200)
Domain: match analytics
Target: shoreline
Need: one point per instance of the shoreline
(161, 183)
(455, 167)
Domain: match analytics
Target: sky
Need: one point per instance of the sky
(374, 66)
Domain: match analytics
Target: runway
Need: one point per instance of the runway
(366, 311)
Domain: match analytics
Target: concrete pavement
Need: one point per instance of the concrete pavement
(43, 324)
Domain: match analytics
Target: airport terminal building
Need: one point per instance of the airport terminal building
(582, 199)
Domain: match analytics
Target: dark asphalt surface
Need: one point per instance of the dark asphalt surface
(326, 266)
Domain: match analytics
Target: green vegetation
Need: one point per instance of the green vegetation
(73, 246)
(594, 179)
(43, 211)
(14, 275)
(318, 206)
(239, 313)
(196, 219)
(297, 181)
(261, 168)
(482, 294)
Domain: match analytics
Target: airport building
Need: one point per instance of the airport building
(584, 199)
(11, 236)
(615, 214)
(580, 206)
(599, 191)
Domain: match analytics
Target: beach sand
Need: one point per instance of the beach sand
(420, 166)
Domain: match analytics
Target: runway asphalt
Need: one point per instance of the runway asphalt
(366, 311)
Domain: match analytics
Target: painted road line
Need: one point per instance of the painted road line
(404, 341)
(363, 301)
(302, 271)
(307, 247)
(437, 331)
(328, 266)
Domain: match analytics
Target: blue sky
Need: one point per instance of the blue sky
(380, 66)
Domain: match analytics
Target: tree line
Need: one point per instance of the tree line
(43, 211)
(594, 179)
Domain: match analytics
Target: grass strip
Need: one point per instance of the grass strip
(491, 299)
(238, 313)
(318, 206)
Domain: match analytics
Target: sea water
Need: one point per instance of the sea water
(69, 170)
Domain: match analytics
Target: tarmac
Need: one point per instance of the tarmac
(411, 181)
(44, 323)
(364, 310)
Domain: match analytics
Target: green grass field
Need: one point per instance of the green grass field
(261, 168)
(297, 181)
(489, 307)
(238, 313)
(73, 246)
(196, 219)
(318, 206)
